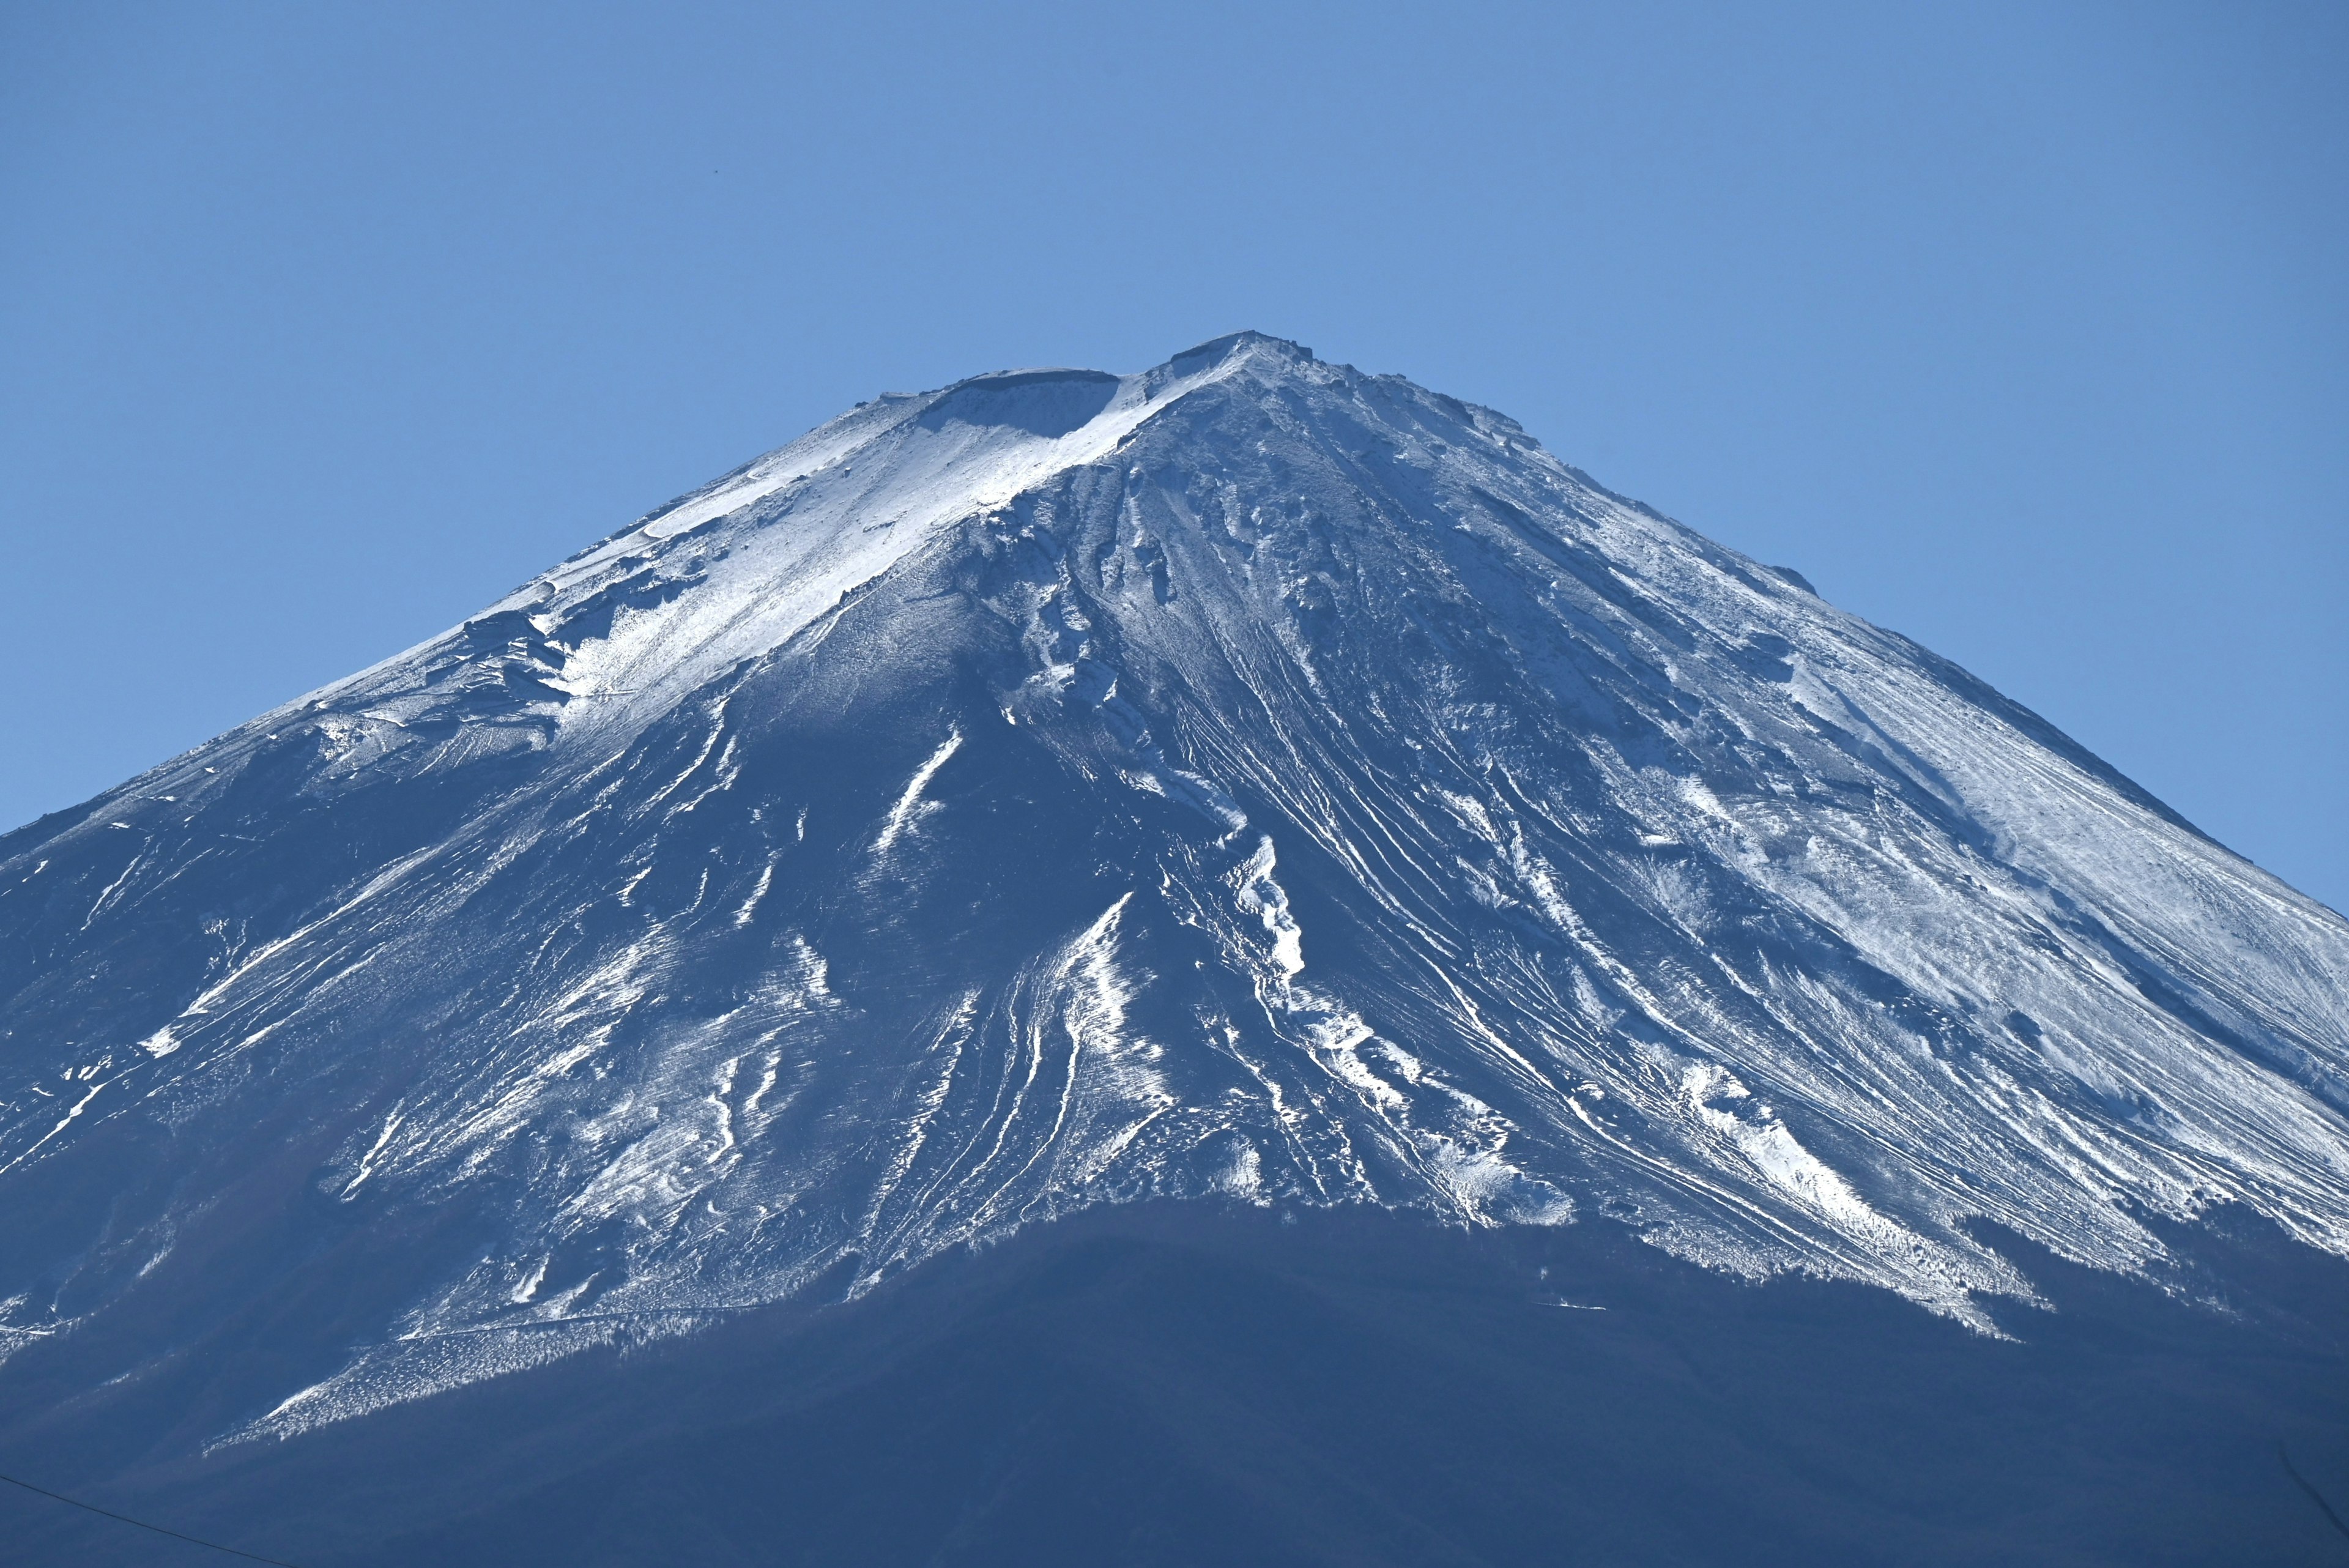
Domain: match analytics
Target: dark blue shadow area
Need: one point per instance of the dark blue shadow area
(1168, 1385)
(1041, 402)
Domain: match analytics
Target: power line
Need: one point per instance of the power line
(126, 1519)
(2314, 1496)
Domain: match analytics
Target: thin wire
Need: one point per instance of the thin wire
(2314, 1496)
(176, 1535)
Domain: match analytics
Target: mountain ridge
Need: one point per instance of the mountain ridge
(1246, 782)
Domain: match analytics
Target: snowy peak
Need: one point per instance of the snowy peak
(1247, 780)
(770, 548)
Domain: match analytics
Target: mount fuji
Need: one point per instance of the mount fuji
(1249, 821)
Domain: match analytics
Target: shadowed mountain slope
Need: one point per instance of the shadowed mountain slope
(1249, 783)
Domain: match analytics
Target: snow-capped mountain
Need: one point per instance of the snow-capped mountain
(1249, 781)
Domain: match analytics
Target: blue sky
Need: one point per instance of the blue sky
(2019, 330)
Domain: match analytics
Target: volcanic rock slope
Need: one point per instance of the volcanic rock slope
(1250, 781)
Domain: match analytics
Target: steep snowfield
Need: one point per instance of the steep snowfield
(1248, 781)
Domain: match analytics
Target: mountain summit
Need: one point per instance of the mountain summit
(1248, 782)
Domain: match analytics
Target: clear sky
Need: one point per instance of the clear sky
(2021, 330)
